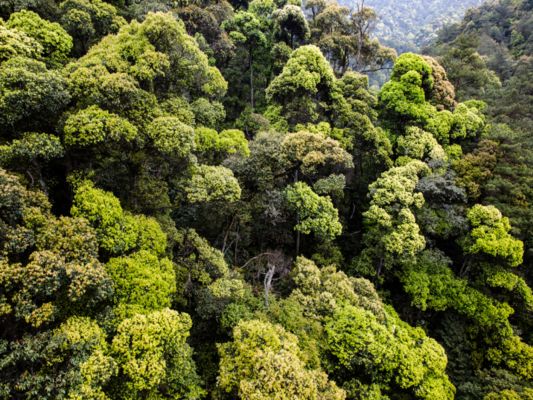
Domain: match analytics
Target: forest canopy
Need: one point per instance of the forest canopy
(206, 200)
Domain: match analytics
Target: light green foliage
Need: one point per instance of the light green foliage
(316, 214)
(499, 278)
(404, 96)
(262, 362)
(306, 88)
(392, 352)
(62, 276)
(432, 284)
(206, 139)
(413, 62)
(32, 147)
(212, 183)
(143, 283)
(246, 28)
(468, 120)
(91, 361)
(322, 291)
(405, 100)
(93, 126)
(233, 141)
(171, 136)
(312, 152)
(227, 142)
(155, 360)
(159, 47)
(29, 93)
(490, 235)
(56, 43)
(392, 231)
(420, 145)
(14, 43)
(364, 335)
(150, 236)
(116, 233)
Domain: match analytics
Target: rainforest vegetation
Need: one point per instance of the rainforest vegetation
(203, 199)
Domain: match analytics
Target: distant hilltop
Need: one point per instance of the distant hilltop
(409, 25)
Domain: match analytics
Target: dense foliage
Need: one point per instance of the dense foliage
(205, 200)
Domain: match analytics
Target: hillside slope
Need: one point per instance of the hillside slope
(408, 25)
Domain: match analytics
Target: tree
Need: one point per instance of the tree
(87, 21)
(212, 183)
(246, 29)
(262, 362)
(71, 361)
(315, 214)
(143, 283)
(392, 231)
(490, 235)
(305, 90)
(55, 41)
(93, 126)
(117, 231)
(155, 360)
(290, 24)
(343, 34)
(311, 154)
(30, 94)
(171, 136)
(398, 354)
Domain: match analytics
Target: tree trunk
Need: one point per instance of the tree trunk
(250, 57)
(268, 281)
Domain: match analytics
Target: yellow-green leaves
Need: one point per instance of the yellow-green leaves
(392, 228)
(30, 93)
(51, 287)
(212, 183)
(143, 283)
(490, 235)
(314, 153)
(171, 136)
(154, 358)
(315, 214)
(32, 146)
(55, 41)
(263, 362)
(93, 125)
(393, 352)
(306, 88)
(117, 231)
